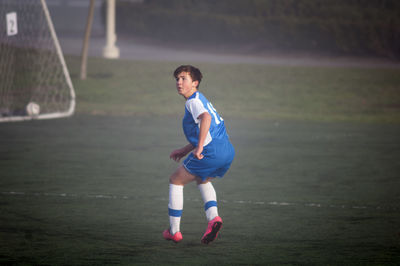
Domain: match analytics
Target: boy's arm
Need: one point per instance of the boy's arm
(205, 122)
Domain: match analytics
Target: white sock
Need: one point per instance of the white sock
(175, 207)
(210, 200)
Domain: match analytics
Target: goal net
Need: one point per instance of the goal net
(34, 79)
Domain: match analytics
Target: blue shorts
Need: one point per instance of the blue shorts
(218, 157)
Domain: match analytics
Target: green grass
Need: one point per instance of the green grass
(312, 182)
(246, 91)
(94, 189)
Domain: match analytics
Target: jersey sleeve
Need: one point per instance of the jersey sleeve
(196, 108)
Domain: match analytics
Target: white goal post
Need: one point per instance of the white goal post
(34, 78)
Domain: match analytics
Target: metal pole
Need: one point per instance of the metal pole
(111, 50)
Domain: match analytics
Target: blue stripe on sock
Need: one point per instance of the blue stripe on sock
(175, 213)
(209, 204)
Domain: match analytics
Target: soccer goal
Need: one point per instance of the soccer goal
(34, 79)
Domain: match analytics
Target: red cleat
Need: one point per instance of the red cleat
(177, 237)
(212, 230)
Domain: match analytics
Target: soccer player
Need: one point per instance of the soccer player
(211, 154)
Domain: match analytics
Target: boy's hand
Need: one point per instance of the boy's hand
(177, 155)
(197, 152)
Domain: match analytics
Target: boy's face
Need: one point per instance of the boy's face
(185, 85)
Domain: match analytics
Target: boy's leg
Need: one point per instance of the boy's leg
(210, 206)
(210, 199)
(175, 206)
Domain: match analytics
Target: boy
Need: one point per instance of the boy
(211, 155)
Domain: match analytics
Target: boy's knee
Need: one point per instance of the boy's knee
(175, 179)
(181, 177)
(172, 179)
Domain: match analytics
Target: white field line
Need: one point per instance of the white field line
(240, 202)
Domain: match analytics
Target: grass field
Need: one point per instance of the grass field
(315, 180)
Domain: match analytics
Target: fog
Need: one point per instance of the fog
(70, 18)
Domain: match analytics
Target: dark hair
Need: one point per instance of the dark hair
(194, 72)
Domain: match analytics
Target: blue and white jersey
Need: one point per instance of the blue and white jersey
(194, 107)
